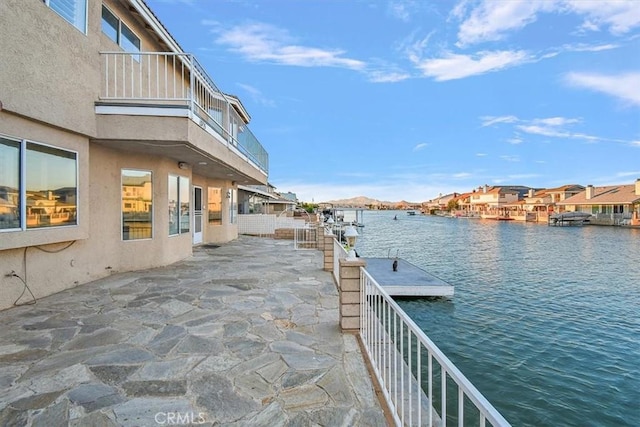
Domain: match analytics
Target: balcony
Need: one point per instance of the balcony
(166, 86)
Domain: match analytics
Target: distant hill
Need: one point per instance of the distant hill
(363, 201)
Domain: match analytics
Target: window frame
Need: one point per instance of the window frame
(122, 203)
(218, 201)
(20, 211)
(23, 176)
(84, 18)
(119, 33)
(180, 230)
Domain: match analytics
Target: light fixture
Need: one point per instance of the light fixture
(183, 165)
(351, 235)
(330, 223)
(202, 163)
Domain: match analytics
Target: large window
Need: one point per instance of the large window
(137, 198)
(118, 31)
(214, 201)
(9, 184)
(179, 198)
(74, 11)
(38, 185)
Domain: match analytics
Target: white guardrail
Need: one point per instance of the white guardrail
(420, 384)
(339, 252)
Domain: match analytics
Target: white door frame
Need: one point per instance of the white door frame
(198, 222)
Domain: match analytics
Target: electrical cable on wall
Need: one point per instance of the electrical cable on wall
(24, 267)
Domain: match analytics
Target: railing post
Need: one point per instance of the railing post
(349, 290)
(326, 243)
(192, 83)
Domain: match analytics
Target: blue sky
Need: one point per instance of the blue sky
(406, 99)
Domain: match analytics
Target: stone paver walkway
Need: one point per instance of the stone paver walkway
(245, 334)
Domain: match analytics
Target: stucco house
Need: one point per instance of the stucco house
(609, 205)
(545, 199)
(118, 152)
(494, 200)
(263, 199)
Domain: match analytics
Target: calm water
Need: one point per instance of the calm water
(545, 321)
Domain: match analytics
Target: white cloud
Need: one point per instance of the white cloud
(553, 127)
(402, 9)
(262, 42)
(455, 66)
(462, 175)
(625, 174)
(556, 121)
(512, 159)
(623, 86)
(257, 96)
(489, 20)
(492, 19)
(420, 146)
(619, 16)
(492, 120)
(635, 144)
(581, 47)
(387, 76)
(555, 132)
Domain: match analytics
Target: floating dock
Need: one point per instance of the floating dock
(408, 281)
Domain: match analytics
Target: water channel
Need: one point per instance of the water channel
(545, 320)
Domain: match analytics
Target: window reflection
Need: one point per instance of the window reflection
(9, 184)
(137, 203)
(184, 196)
(179, 200)
(173, 205)
(214, 201)
(51, 186)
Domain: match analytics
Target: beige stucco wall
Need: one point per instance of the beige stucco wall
(102, 251)
(49, 83)
(213, 233)
(175, 129)
(48, 68)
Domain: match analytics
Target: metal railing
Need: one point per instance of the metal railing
(305, 236)
(178, 79)
(413, 373)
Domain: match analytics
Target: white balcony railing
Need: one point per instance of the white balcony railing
(416, 378)
(177, 79)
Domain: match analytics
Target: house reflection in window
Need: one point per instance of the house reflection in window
(51, 186)
(137, 195)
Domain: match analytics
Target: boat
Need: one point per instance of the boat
(411, 212)
(569, 218)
